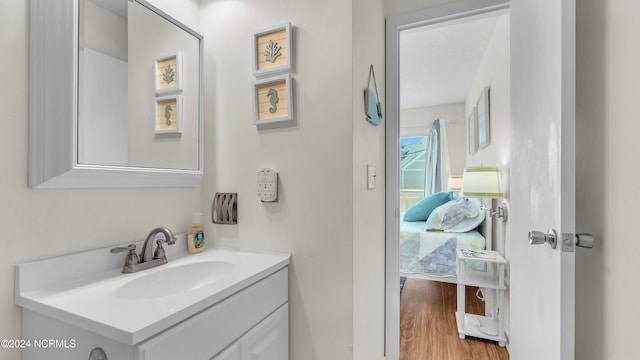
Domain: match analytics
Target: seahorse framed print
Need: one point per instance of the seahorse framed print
(168, 73)
(272, 100)
(272, 50)
(168, 114)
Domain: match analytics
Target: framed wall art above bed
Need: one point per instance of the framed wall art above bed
(483, 119)
(472, 132)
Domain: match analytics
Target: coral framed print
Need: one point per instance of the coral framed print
(472, 131)
(168, 114)
(483, 114)
(272, 100)
(168, 73)
(272, 50)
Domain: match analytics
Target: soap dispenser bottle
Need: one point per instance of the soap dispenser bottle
(195, 239)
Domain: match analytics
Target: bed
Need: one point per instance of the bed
(431, 254)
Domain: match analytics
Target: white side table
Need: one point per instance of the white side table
(491, 325)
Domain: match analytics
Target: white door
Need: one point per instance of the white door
(542, 178)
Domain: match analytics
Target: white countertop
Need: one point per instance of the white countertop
(80, 289)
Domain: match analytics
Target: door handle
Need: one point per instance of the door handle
(551, 237)
(585, 240)
(538, 237)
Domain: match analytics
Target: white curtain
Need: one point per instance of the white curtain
(437, 166)
(431, 162)
(445, 164)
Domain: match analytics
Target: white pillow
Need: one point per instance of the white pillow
(458, 215)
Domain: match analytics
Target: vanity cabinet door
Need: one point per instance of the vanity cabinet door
(212, 330)
(269, 340)
(232, 353)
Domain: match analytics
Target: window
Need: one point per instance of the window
(412, 153)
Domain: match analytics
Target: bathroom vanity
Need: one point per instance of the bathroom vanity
(219, 304)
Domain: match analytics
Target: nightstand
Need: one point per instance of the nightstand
(491, 325)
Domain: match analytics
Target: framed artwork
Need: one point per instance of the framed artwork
(272, 100)
(168, 114)
(168, 73)
(483, 115)
(272, 50)
(472, 130)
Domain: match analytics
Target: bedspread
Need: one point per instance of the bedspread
(433, 252)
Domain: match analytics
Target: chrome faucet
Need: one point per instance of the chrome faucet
(147, 248)
(148, 258)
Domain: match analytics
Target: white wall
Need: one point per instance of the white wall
(368, 205)
(419, 119)
(96, 22)
(102, 133)
(607, 128)
(43, 223)
(494, 73)
(314, 156)
(103, 136)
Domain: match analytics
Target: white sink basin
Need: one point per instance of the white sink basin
(172, 280)
(88, 289)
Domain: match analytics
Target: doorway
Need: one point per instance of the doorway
(432, 18)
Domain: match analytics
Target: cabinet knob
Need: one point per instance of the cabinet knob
(97, 354)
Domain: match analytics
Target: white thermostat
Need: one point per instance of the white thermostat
(267, 185)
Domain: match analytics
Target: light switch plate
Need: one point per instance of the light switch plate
(371, 177)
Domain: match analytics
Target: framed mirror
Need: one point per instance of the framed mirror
(115, 96)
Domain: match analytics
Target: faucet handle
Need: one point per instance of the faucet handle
(119, 249)
(132, 257)
(159, 253)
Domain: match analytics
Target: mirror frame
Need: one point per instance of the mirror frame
(53, 109)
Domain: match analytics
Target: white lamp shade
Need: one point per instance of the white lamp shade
(454, 183)
(482, 182)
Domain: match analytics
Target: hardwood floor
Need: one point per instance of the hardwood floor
(428, 328)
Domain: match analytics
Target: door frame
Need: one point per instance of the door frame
(459, 10)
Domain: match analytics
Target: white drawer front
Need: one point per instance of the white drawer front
(206, 334)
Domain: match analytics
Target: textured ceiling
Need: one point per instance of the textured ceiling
(438, 63)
